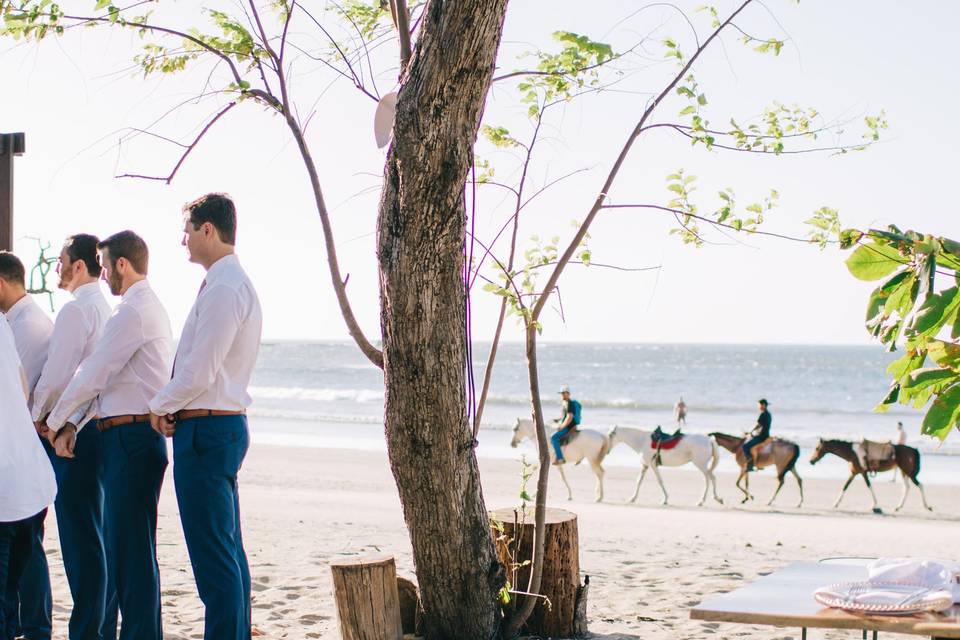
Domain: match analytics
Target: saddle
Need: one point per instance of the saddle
(762, 453)
(661, 440)
(565, 440)
(874, 455)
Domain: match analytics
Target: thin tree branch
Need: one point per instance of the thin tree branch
(403, 32)
(679, 212)
(187, 152)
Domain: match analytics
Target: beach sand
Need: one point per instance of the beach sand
(304, 507)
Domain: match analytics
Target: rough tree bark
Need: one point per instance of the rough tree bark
(421, 232)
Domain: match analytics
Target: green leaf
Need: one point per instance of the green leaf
(923, 378)
(935, 311)
(873, 261)
(943, 414)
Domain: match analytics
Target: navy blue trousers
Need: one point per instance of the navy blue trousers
(17, 547)
(134, 460)
(29, 603)
(207, 454)
(79, 508)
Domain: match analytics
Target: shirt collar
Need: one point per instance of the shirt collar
(221, 267)
(86, 290)
(19, 307)
(134, 288)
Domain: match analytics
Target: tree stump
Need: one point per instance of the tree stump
(409, 605)
(565, 616)
(365, 590)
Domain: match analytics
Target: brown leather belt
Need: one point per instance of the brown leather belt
(187, 414)
(115, 421)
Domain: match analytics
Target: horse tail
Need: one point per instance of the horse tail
(714, 454)
(915, 454)
(606, 447)
(793, 460)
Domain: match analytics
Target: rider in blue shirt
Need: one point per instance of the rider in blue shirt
(569, 422)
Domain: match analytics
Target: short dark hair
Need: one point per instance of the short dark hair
(83, 246)
(217, 209)
(127, 244)
(11, 269)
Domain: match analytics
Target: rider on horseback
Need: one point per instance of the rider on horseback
(759, 434)
(569, 422)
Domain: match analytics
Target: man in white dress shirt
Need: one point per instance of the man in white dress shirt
(79, 465)
(30, 605)
(204, 408)
(27, 485)
(129, 365)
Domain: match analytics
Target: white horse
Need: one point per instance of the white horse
(699, 449)
(586, 444)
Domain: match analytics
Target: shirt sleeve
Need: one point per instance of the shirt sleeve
(220, 313)
(66, 350)
(122, 336)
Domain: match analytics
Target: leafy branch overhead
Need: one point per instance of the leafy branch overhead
(916, 308)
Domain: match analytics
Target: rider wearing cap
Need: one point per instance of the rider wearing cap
(569, 422)
(760, 433)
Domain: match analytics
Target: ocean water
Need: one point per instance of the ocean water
(326, 394)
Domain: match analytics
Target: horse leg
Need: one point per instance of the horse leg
(563, 476)
(743, 477)
(656, 472)
(846, 485)
(598, 471)
(777, 490)
(923, 494)
(640, 477)
(706, 485)
(714, 459)
(799, 486)
(906, 489)
(873, 494)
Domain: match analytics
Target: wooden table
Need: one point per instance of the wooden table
(785, 599)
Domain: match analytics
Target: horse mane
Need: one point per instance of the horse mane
(836, 441)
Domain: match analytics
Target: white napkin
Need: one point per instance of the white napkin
(929, 572)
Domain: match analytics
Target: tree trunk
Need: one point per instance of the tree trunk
(421, 231)
(365, 590)
(561, 570)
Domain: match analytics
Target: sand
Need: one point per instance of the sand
(304, 507)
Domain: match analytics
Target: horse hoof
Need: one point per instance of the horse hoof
(720, 500)
(877, 510)
(929, 508)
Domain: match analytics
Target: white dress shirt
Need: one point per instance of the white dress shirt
(27, 483)
(219, 345)
(76, 332)
(31, 332)
(130, 363)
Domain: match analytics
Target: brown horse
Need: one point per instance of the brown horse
(781, 453)
(907, 459)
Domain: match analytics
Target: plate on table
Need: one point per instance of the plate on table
(884, 598)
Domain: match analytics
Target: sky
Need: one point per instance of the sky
(76, 97)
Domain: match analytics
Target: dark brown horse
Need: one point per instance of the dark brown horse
(907, 459)
(781, 453)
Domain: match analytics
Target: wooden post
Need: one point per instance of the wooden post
(365, 590)
(561, 569)
(11, 144)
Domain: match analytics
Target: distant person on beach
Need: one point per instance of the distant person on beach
(899, 437)
(760, 433)
(569, 422)
(680, 411)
